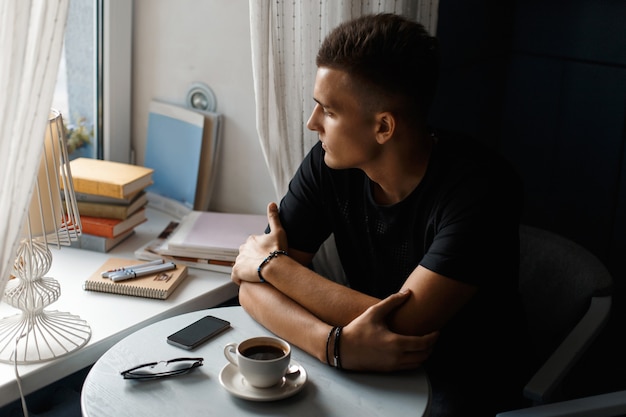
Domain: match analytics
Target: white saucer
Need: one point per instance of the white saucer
(235, 383)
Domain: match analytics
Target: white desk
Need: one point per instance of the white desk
(327, 392)
(111, 316)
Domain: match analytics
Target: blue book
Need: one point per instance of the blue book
(181, 147)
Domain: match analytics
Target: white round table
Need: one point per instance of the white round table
(327, 391)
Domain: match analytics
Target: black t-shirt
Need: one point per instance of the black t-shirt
(462, 221)
(464, 213)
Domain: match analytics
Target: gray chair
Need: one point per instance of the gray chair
(602, 405)
(566, 292)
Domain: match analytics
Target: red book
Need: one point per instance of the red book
(105, 227)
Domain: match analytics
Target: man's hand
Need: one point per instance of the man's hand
(367, 343)
(257, 247)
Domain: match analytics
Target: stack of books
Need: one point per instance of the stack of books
(204, 239)
(111, 201)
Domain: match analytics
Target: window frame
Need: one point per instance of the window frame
(113, 80)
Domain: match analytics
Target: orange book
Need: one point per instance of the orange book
(105, 227)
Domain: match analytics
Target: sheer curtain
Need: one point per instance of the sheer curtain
(31, 41)
(285, 36)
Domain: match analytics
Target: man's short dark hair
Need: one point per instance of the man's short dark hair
(393, 61)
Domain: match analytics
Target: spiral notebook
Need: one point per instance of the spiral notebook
(159, 285)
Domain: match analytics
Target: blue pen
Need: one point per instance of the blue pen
(140, 272)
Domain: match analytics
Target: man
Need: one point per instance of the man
(426, 229)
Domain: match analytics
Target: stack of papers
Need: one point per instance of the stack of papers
(205, 239)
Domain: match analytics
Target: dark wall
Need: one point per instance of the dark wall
(544, 81)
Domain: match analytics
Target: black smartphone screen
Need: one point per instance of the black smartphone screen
(198, 332)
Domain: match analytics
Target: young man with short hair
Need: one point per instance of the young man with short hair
(426, 228)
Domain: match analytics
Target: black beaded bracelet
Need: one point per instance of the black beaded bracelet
(273, 254)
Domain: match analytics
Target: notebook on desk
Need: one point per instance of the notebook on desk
(159, 285)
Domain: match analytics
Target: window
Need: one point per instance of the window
(94, 84)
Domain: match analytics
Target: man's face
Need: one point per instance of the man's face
(345, 128)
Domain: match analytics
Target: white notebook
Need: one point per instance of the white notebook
(215, 235)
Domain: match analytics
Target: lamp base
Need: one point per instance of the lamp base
(37, 335)
(40, 337)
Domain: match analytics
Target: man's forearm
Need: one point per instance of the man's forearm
(367, 343)
(285, 318)
(333, 303)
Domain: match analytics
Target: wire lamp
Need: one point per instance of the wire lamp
(37, 335)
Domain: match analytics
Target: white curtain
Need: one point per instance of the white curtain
(31, 42)
(285, 36)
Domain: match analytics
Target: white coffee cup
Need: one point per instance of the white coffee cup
(263, 361)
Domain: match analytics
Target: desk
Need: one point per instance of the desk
(327, 392)
(111, 316)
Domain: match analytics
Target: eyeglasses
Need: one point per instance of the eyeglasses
(162, 369)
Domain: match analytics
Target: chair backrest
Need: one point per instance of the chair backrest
(567, 294)
(557, 281)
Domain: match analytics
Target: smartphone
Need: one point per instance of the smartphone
(198, 332)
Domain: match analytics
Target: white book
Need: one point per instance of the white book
(155, 248)
(214, 235)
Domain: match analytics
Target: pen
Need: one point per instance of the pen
(107, 274)
(140, 272)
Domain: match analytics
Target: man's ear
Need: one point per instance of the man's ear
(385, 126)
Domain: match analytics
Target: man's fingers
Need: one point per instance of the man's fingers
(387, 305)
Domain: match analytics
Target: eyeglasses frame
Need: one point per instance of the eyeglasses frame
(196, 362)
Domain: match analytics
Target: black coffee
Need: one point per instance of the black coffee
(263, 352)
